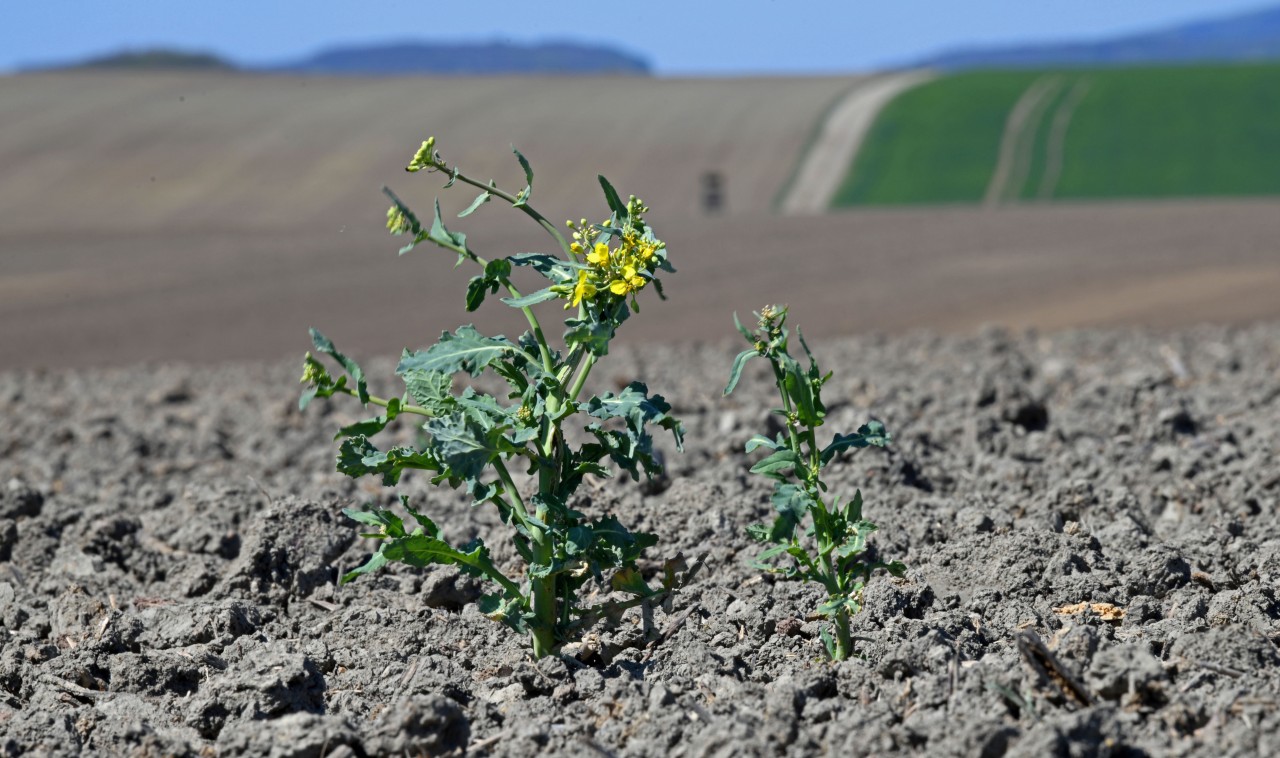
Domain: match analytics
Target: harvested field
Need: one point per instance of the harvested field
(170, 537)
(133, 153)
(77, 300)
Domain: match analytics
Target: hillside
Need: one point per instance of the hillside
(481, 58)
(1253, 36)
(1003, 136)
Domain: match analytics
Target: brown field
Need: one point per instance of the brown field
(264, 218)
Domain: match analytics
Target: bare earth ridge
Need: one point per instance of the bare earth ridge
(829, 158)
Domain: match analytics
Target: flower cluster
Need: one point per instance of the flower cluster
(621, 270)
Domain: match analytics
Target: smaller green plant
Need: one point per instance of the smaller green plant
(838, 534)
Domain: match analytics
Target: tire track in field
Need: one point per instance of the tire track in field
(1017, 144)
(829, 158)
(1055, 148)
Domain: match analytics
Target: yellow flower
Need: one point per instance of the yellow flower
(425, 157)
(599, 255)
(576, 247)
(630, 281)
(397, 222)
(584, 290)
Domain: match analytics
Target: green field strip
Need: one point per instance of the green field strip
(1193, 131)
(936, 143)
(1201, 131)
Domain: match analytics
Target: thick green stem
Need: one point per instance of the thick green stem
(542, 589)
(844, 642)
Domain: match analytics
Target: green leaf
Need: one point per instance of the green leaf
(613, 545)
(463, 445)
(853, 511)
(828, 642)
(792, 501)
(541, 295)
(430, 389)
(871, 434)
(390, 523)
(508, 608)
(778, 465)
(630, 581)
(421, 550)
(736, 372)
(371, 426)
(804, 396)
(638, 409)
(760, 440)
(744, 331)
(466, 350)
(480, 200)
(358, 457)
(455, 241)
(325, 345)
(523, 197)
(554, 269)
(616, 205)
(592, 335)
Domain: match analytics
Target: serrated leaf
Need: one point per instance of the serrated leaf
(465, 350)
(616, 205)
(358, 457)
(638, 409)
(557, 271)
(534, 298)
(465, 444)
(735, 373)
(423, 550)
(325, 345)
(871, 434)
(480, 200)
(590, 334)
(612, 544)
(432, 390)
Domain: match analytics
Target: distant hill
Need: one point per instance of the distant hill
(483, 58)
(157, 59)
(394, 59)
(1251, 36)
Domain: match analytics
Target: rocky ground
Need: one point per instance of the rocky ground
(1089, 520)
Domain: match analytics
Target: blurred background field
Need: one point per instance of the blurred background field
(171, 203)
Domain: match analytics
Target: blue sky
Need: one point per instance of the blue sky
(690, 37)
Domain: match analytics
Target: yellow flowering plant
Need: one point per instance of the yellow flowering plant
(473, 439)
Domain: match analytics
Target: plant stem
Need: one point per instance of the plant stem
(844, 643)
(542, 221)
(581, 379)
(542, 589)
(382, 402)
